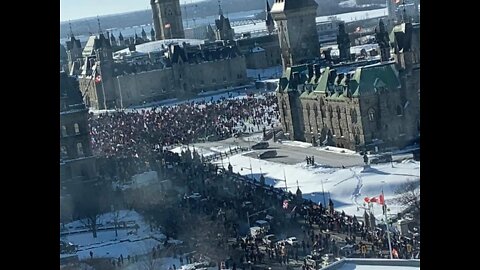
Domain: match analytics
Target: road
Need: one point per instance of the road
(288, 154)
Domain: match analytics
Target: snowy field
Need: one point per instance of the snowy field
(346, 187)
(130, 240)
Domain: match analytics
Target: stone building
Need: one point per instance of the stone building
(224, 30)
(358, 105)
(157, 70)
(77, 163)
(167, 19)
(260, 52)
(297, 31)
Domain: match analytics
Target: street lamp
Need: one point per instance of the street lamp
(251, 171)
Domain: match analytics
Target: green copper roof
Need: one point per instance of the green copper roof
(322, 82)
(372, 77)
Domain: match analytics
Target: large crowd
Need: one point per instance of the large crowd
(122, 133)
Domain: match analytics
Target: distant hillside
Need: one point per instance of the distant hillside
(201, 9)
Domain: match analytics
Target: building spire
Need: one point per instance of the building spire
(70, 26)
(99, 27)
(220, 12)
(405, 17)
(269, 19)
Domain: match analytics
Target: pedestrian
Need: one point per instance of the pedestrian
(91, 254)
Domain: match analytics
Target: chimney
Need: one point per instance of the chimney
(339, 78)
(317, 70)
(327, 55)
(332, 76)
(310, 71)
(295, 80)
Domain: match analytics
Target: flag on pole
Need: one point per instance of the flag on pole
(98, 78)
(285, 204)
(396, 1)
(167, 25)
(381, 199)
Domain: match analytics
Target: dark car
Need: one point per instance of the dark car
(260, 145)
(381, 159)
(67, 247)
(268, 154)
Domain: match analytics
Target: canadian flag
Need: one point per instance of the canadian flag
(98, 78)
(285, 204)
(380, 199)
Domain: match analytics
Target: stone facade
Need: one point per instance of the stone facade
(184, 72)
(77, 163)
(167, 19)
(260, 52)
(356, 104)
(297, 34)
(366, 106)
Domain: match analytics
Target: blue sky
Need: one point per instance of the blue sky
(77, 9)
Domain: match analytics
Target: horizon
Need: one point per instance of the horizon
(71, 10)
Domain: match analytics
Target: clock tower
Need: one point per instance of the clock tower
(167, 19)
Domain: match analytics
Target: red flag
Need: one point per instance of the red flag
(367, 200)
(98, 78)
(374, 199)
(395, 253)
(285, 204)
(381, 199)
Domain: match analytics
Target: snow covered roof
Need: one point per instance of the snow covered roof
(156, 46)
(258, 49)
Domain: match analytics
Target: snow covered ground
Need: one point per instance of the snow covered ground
(346, 187)
(163, 263)
(130, 241)
(200, 151)
(350, 266)
(267, 73)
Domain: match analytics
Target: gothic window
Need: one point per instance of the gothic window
(63, 151)
(80, 150)
(399, 110)
(64, 131)
(371, 114)
(284, 111)
(322, 109)
(353, 115)
(77, 128)
(309, 127)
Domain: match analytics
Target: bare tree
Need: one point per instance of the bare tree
(409, 197)
(90, 202)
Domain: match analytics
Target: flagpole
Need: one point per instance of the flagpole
(285, 177)
(384, 206)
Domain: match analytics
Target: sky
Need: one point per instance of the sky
(77, 9)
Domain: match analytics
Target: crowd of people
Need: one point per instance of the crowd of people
(130, 141)
(123, 133)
